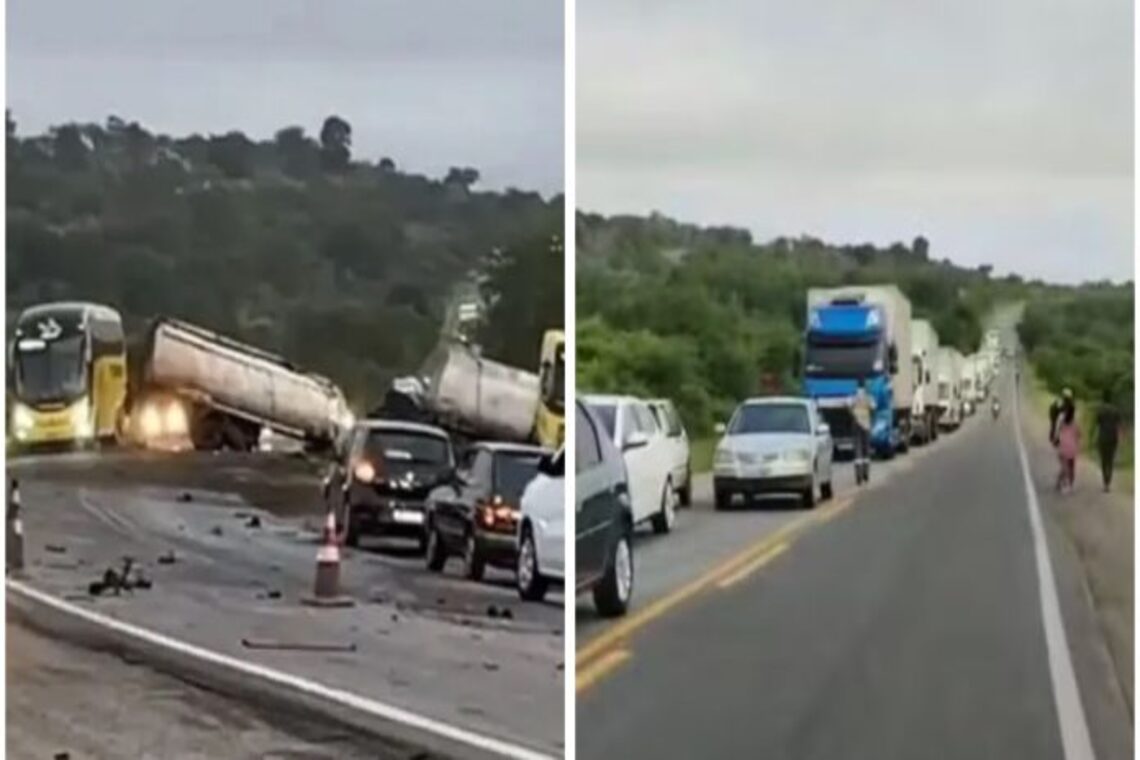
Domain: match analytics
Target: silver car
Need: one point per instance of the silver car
(774, 445)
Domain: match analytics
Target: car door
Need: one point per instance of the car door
(455, 501)
(593, 492)
(669, 448)
(659, 456)
(638, 459)
(824, 449)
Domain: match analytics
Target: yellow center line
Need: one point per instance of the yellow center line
(641, 617)
(590, 674)
(752, 566)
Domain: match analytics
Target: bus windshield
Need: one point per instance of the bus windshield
(50, 371)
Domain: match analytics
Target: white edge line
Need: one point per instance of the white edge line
(1075, 739)
(312, 688)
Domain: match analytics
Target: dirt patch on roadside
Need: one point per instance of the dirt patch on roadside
(1100, 528)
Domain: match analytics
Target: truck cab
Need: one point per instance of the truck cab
(847, 340)
(550, 419)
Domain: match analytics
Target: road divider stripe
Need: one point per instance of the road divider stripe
(403, 725)
(742, 573)
(590, 674)
(638, 619)
(1075, 739)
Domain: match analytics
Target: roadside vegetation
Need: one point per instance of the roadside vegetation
(707, 316)
(343, 265)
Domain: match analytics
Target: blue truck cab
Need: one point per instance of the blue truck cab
(847, 340)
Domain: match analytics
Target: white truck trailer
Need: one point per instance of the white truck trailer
(950, 362)
(924, 409)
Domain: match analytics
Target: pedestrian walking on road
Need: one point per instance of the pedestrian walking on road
(862, 407)
(1108, 427)
(1057, 410)
(1068, 446)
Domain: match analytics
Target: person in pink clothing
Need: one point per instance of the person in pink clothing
(1068, 445)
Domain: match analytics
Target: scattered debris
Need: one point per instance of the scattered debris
(506, 614)
(61, 756)
(490, 666)
(168, 558)
(395, 618)
(270, 594)
(55, 549)
(185, 497)
(561, 667)
(492, 611)
(216, 530)
(299, 646)
(441, 601)
(116, 582)
(254, 522)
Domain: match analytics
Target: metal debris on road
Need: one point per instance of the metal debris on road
(216, 530)
(116, 582)
(299, 646)
(254, 522)
(168, 558)
(55, 549)
(185, 496)
(490, 666)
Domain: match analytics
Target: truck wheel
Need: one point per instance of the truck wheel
(435, 555)
(531, 583)
(473, 563)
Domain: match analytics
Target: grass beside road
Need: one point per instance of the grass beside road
(701, 452)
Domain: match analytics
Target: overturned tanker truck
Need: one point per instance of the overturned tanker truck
(194, 388)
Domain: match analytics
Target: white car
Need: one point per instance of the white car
(773, 445)
(677, 440)
(542, 529)
(645, 450)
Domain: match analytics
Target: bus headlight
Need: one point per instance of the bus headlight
(151, 422)
(176, 419)
(22, 419)
(81, 420)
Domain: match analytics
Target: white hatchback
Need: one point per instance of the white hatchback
(646, 451)
(677, 444)
(542, 529)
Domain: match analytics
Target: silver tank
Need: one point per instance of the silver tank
(243, 380)
(484, 397)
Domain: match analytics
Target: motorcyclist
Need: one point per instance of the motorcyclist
(996, 407)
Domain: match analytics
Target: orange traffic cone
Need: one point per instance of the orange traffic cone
(326, 588)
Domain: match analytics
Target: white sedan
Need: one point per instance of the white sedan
(772, 446)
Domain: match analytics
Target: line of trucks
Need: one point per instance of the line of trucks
(919, 386)
(190, 387)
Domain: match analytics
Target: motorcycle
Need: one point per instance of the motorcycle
(996, 409)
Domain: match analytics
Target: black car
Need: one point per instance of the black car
(476, 515)
(604, 541)
(382, 480)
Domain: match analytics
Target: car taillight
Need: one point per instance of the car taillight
(496, 513)
(364, 472)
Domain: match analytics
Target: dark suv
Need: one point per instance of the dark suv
(604, 541)
(382, 480)
(476, 515)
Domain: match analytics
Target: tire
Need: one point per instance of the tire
(825, 492)
(351, 533)
(611, 595)
(664, 519)
(435, 553)
(474, 565)
(685, 495)
(529, 581)
(722, 500)
(807, 497)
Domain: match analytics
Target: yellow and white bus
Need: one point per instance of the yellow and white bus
(68, 381)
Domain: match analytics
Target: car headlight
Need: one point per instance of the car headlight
(176, 423)
(723, 457)
(797, 455)
(22, 418)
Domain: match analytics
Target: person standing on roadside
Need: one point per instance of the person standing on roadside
(1107, 437)
(862, 407)
(1068, 446)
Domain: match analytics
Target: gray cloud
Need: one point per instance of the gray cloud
(431, 83)
(1003, 131)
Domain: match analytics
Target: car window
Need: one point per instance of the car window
(481, 469)
(408, 446)
(645, 419)
(658, 413)
(586, 449)
(770, 418)
(513, 471)
(673, 427)
(607, 414)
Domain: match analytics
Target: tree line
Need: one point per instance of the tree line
(708, 316)
(342, 264)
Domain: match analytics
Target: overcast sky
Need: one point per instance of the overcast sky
(431, 83)
(1000, 130)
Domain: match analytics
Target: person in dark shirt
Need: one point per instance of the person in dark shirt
(1107, 437)
(1063, 405)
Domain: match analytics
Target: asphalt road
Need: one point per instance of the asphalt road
(95, 706)
(438, 645)
(904, 622)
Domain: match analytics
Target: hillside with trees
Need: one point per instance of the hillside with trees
(342, 264)
(708, 316)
